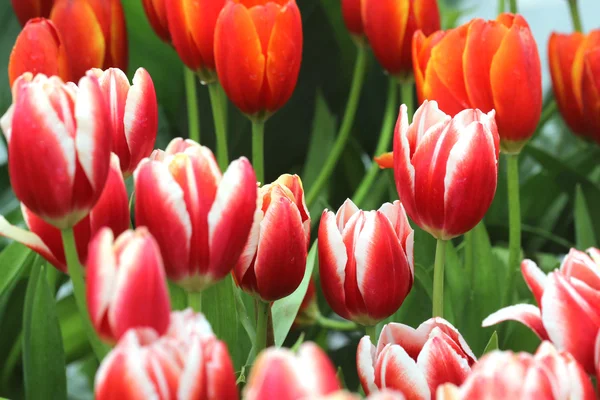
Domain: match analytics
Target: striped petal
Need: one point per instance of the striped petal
(395, 369)
(527, 314)
(534, 278)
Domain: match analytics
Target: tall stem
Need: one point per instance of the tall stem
(371, 331)
(217, 105)
(76, 274)
(345, 127)
(262, 319)
(575, 16)
(513, 6)
(438, 278)
(258, 148)
(192, 104)
(195, 301)
(501, 6)
(514, 225)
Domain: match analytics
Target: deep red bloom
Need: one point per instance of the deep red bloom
(156, 11)
(351, 11)
(29, 9)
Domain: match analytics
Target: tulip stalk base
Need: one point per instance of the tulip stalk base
(76, 274)
(336, 325)
(575, 16)
(258, 149)
(514, 225)
(262, 319)
(438, 279)
(219, 117)
(192, 104)
(195, 301)
(371, 331)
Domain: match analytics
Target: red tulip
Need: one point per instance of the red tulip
(200, 218)
(29, 9)
(111, 210)
(156, 11)
(574, 65)
(133, 114)
(469, 67)
(38, 49)
(93, 32)
(568, 297)
(547, 375)
(187, 363)
(258, 49)
(366, 261)
(351, 11)
(58, 145)
(414, 362)
(446, 168)
(279, 374)
(390, 25)
(274, 259)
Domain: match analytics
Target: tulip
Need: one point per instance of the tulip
(279, 374)
(58, 145)
(469, 67)
(273, 262)
(187, 363)
(390, 25)
(111, 210)
(568, 298)
(366, 261)
(93, 32)
(258, 49)
(414, 362)
(200, 218)
(30, 9)
(351, 11)
(38, 49)
(574, 64)
(156, 12)
(505, 375)
(133, 114)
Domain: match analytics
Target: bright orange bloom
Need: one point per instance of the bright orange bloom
(29, 9)
(485, 65)
(38, 49)
(156, 11)
(575, 67)
(258, 50)
(94, 34)
(390, 25)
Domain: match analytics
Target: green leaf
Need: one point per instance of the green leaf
(43, 355)
(12, 259)
(492, 343)
(585, 236)
(177, 295)
(284, 311)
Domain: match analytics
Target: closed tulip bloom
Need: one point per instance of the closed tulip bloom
(94, 34)
(274, 259)
(351, 11)
(58, 145)
(390, 25)
(547, 375)
(366, 261)
(133, 114)
(200, 218)
(29, 9)
(279, 374)
(574, 62)
(568, 313)
(186, 363)
(468, 67)
(156, 12)
(126, 285)
(258, 50)
(414, 362)
(446, 168)
(38, 49)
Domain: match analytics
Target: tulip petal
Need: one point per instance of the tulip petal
(355, 303)
(395, 369)
(404, 171)
(274, 376)
(312, 358)
(579, 265)
(203, 33)
(344, 213)
(535, 279)
(366, 356)
(397, 216)
(193, 379)
(179, 15)
(527, 314)
(421, 53)
(591, 92)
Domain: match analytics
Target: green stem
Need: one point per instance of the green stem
(345, 127)
(192, 104)
(76, 274)
(513, 6)
(195, 301)
(514, 225)
(575, 16)
(371, 331)
(501, 6)
(438, 278)
(387, 130)
(216, 102)
(262, 319)
(335, 324)
(258, 148)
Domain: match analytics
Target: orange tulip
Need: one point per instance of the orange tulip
(258, 50)
(93, 32)
(485, 65)
(156, 11)
(390, 25)
(29, 9)
(575, 67)
(38, 49)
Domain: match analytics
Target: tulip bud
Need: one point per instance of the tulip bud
(446, 168)
(38, 49)
(200, 218)
(390, 25)
(366, 261)
(273, 262)
(468, 67)
(351, 11)
(156, 12)
(58, 145)
(133, 114)
(414, 362)
(280, 374)
(29, 9)
(187, 363)
(258, 50)
(94, 34)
